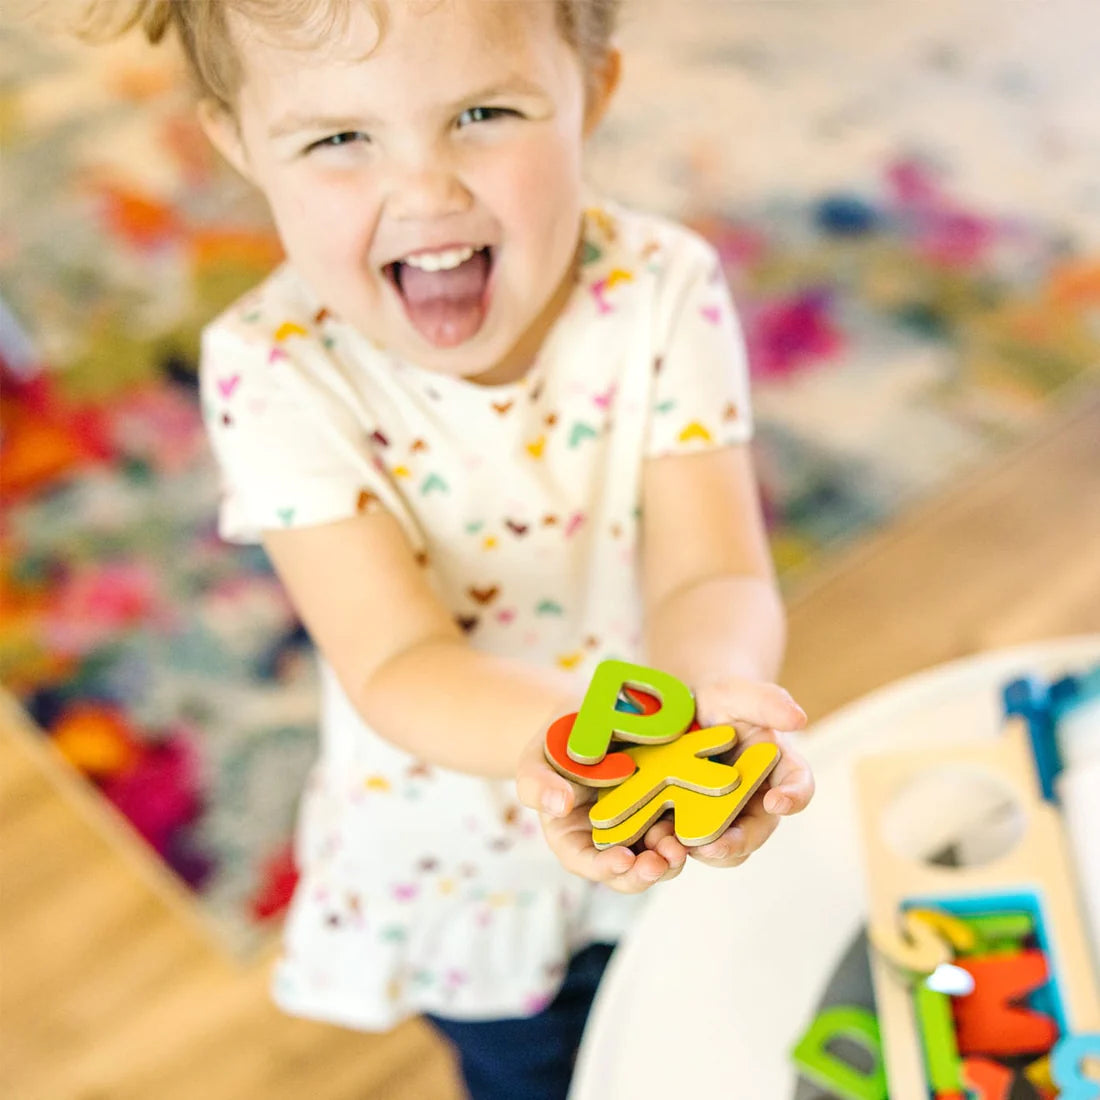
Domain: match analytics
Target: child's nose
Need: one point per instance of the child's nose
(426, 193)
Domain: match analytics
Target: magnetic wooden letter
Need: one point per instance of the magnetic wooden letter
(1068, 1066)
(819, 1065)
(1038, 1073)
(682, 762)
(988, 1080)
(988, 1021)
(937, 1028)
(610, 771)
(958, 933)
(598, 720)
(916, 948)
(704, 796)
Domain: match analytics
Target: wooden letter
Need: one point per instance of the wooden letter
(937, 1029)
(598, 720)
(610, 771)
(817, 1064)
(987, 1020)
(916, 949)
(705, 796)
(1068, 1066)
(988, 1080)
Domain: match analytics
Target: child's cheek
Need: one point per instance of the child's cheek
(537, 179)
(329, 218)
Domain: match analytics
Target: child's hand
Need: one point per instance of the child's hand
(759, 712)
(563, 811)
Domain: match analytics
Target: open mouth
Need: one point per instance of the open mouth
(447, 305)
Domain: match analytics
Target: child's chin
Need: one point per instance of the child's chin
(463, 359)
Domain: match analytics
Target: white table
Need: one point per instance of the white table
(724, 969)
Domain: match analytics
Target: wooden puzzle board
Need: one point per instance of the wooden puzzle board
(733, 963)
(1039, 861)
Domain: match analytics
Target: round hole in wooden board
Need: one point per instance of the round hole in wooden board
(953, 815)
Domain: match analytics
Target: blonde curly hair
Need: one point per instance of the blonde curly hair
(202, 27)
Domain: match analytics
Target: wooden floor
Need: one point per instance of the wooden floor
(111, 992)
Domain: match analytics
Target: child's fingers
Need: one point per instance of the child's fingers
(564, 812)
(791, 783)
(661, 838)
(739, 841)
(541, 788)
(648, 869)
(736, 700)
(570, 838)
(791, 786)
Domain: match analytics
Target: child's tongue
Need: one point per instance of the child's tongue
(446, 307)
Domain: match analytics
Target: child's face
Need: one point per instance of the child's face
(462, 130)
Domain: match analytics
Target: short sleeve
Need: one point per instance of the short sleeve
(700, 392)
(291, 449)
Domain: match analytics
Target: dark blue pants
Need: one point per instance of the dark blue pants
(529, 1058)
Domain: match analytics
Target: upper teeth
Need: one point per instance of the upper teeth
(440, 261)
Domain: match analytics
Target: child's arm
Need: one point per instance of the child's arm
(403, 662)
(419, 683)
(714, 619)
(712, 608)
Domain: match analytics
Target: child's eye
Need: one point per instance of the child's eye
(485, 114)
(336, 141)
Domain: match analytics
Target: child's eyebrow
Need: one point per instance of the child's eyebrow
(293, 123)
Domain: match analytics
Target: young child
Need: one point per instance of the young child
(491, 429)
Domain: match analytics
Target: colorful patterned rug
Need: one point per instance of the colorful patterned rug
(898, 335)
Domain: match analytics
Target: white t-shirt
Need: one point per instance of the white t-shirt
(424, 889)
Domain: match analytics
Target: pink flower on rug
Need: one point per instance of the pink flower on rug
(941, 229)
(955, 238)
(738, 246)
(790, 334)
(913, 182)
(161, 425)
(92, 604)
(160, 793)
